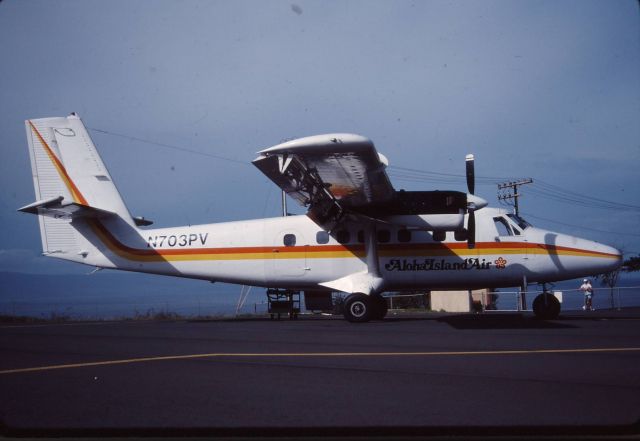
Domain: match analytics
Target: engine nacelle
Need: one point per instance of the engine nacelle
(430, 222)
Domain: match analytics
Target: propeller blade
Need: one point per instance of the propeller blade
(471, 177)
(473, 203)
(471, 230)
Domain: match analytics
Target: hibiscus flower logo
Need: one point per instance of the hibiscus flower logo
(500, 263)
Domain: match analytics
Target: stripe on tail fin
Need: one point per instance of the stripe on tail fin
(71, 182)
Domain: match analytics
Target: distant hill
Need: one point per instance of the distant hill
(114, 294)
(102, 282)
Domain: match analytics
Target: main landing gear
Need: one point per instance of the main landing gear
(360, 308)
(546, 306)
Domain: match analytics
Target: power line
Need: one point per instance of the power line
(578, 202)
(546, 190)
(578, 198)
(539, 188)
(169, 146)
(578, 226)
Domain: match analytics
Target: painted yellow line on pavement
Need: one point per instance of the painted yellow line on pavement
(311, 354)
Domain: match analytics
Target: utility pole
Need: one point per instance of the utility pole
(514, 191)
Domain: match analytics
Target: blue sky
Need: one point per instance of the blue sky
(542, 89)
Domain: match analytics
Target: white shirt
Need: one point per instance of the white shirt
(587, 288)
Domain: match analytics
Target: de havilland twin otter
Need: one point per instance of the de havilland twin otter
(359, 236)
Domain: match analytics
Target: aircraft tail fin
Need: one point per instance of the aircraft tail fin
(70, 181)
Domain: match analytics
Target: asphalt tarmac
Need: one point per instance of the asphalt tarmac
(409, 375)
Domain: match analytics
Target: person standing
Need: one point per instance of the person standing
(587, 290)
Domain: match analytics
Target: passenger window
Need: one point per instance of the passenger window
(384, 236)
(404, 236)
(343, 236)
(360, 236)
(289, 240)
(502, 226)
(439, 236)
(322, 237)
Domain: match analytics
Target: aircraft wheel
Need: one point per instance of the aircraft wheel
(380, 307)
(358, 308)
(548, 311)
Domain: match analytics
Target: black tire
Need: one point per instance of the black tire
(357, 308)
(546, 311)
(380, 307)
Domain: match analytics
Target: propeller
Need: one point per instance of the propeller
(473, 202)
(471, 175)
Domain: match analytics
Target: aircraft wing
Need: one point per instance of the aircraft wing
(330, 174)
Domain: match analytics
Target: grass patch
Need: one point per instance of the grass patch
(149, 315)
(21, 319)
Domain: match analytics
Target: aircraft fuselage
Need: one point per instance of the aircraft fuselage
(293, 252)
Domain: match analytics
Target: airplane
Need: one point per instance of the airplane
(359, 236)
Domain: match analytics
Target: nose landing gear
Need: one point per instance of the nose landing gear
(546, 306)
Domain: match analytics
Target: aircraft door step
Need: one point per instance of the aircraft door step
(283, 301)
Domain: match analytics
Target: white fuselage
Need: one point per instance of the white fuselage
(293, 252)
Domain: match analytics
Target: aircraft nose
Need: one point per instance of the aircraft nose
(611, 258)
(618, 254)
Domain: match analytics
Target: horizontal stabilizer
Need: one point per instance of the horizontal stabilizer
(33, 208)
(54, 207)
(140, 221)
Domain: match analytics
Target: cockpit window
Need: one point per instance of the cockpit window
(523, 224)
(503, 227)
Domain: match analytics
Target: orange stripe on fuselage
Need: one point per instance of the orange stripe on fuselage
(329, 251)
(75, 193)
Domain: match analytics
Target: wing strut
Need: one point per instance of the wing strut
(365, 282)
(371, 249)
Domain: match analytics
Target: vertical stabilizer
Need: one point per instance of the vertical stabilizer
(67, 169)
